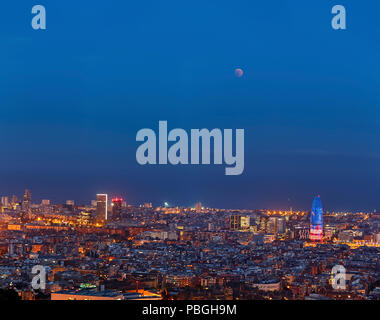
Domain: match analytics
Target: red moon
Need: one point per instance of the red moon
(238, 72)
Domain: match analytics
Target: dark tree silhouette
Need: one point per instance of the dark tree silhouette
(9, 295)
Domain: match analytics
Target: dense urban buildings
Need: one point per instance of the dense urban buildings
(146, 252)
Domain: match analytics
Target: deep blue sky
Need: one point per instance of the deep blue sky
(74, 96)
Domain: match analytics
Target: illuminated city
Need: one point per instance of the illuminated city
(189, 159)
(111, 250)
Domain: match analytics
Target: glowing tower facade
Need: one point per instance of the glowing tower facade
(316, 220)
(101, 208)
(116, 208)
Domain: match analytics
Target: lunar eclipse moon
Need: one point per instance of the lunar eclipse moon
(239, 72)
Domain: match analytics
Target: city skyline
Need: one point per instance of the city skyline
(119, 197)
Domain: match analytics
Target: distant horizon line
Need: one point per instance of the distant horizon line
(154, 204)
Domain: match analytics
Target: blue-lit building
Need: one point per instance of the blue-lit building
(316, 220)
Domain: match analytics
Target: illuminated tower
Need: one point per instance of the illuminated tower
(27, 195)
(239, 222)
(4, 201)
(70, 205)
(101, 208)
(14, 199)
(116, 208)
(316, 220)
(235, 222)
(26, 200)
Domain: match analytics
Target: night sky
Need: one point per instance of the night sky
(73, 97)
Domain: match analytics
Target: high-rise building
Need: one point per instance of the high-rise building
(101, 208)
(276, 225)
(84, 218)
(272, 225)
(281, 225)
(69, 205)
(45, 202)
(239, 222)
(245, 222)
(263, 224)
(116, 208)
(316, 220)
(198, 207)
(14, 199)
(235, 222)
(27, 196)
(26, 200)
(4, 201)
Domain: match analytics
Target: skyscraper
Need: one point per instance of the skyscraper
(27, 195)
(101, 208)
(69, 205)
(281, 225)
(14, 199)
(239, 222)
(116, 208)
(4, 201)
(272, 225)
(45, 202)
(26, 200)
(316, 220)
